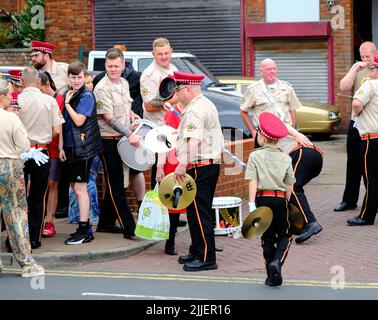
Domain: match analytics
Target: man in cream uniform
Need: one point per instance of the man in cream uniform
(269, 94)
(43, 61)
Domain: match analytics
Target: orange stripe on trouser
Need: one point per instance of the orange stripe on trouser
(295, 195)
(199, 221)
(43, 216)
(287, 231)
(367, 179)
(110, 191)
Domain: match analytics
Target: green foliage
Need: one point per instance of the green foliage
(4, 37)
(21, 30)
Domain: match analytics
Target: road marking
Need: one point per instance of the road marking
(198, 278)
(137, 296)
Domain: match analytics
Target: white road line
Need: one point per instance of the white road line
(100, 294)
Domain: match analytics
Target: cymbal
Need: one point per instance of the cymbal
(176, 195)
(161, 139)
(257, 222)
(296, 219)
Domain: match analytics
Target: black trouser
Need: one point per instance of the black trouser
(39, 176)
(354, 165)
(307, 164)
(369, 156)
(277, 239)
(200, 219)
(114, 203)
(153, 173)
(173, 223)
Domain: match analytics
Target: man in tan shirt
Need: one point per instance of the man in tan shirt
(199, 149)
(354, 78)
(269, 94)
(114, 117)
(43, 61)
(365, 107)
(42, 119)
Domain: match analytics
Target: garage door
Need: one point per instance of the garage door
(208, 29)
(303, 64)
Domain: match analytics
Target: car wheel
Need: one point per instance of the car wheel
(321, 136)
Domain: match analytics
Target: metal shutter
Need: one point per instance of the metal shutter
(208, 29)
(305, 69)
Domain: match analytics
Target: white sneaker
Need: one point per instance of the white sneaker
(32, 271)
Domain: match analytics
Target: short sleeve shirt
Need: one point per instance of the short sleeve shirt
(368, 118)
(59, 73)
(200, 120)
(362, 76)
(271, 168)
(115, 99)
(256, 100)
(39, 113)
(85, 108)
(149, 88)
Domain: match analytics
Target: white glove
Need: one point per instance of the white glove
(39, 157)
(251, 206)
(27, 155)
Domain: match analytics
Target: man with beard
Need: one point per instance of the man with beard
(42, 60)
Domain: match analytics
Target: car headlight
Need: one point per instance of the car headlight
(332, 115)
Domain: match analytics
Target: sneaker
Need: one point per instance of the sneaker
(49, 230)
(80, 237)
(90, 230)
(32, 271)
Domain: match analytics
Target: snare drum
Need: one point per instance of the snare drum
(228, 215)
(140, 158)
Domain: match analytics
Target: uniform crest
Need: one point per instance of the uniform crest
(144, 92)
(191, 127)
(99, 105)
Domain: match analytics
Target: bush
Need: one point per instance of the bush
(21, 32)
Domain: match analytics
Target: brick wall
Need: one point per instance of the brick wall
(68, 24)
(343, 46)
(14, 57)
(10, 5)
(231, 179)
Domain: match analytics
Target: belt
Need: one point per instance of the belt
(369, 136)
(112, 137)
(299, 146)
(199, 164)
(271, 193)
(37, 146)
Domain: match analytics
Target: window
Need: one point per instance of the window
(292, 10)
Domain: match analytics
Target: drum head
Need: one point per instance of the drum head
(140, 158)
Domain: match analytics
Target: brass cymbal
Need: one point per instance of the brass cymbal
(176, 195)
(257, 222)
(296, 219)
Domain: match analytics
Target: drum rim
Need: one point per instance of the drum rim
(233, 202)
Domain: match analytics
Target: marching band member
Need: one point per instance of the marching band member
(199, 149)
(271, 178)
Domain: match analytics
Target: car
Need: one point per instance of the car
(224, 97)
(320, 120)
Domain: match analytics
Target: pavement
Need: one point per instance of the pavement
(339, 248)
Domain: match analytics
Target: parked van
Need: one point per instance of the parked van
(223, 96)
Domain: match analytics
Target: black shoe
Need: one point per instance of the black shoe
(357, 221)
(61, 213)
(80, 236)
(186, 259)
(8, 246)
(129, 236)
(109, 229)
(197, 265)
(35, 244)
(268, 282)
(181, 223)
(218, 249)
(170, 250)
(275, 272)
(308, 231)
(343, 206)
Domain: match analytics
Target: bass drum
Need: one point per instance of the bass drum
(139, 158)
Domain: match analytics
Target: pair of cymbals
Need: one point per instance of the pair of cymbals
(161, 139)
(177, 195)
(259, 220)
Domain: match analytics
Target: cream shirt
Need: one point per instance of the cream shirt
(200, 120)
(149, 89)
(115, 99)
(39, 113)
(59, 74)
(255, 99)
(271, 168)
(13, 136)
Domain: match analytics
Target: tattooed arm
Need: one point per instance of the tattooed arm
(119, 127)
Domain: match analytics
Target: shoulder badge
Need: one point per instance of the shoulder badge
(191, 127)
(99, 105)
(144, 92)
